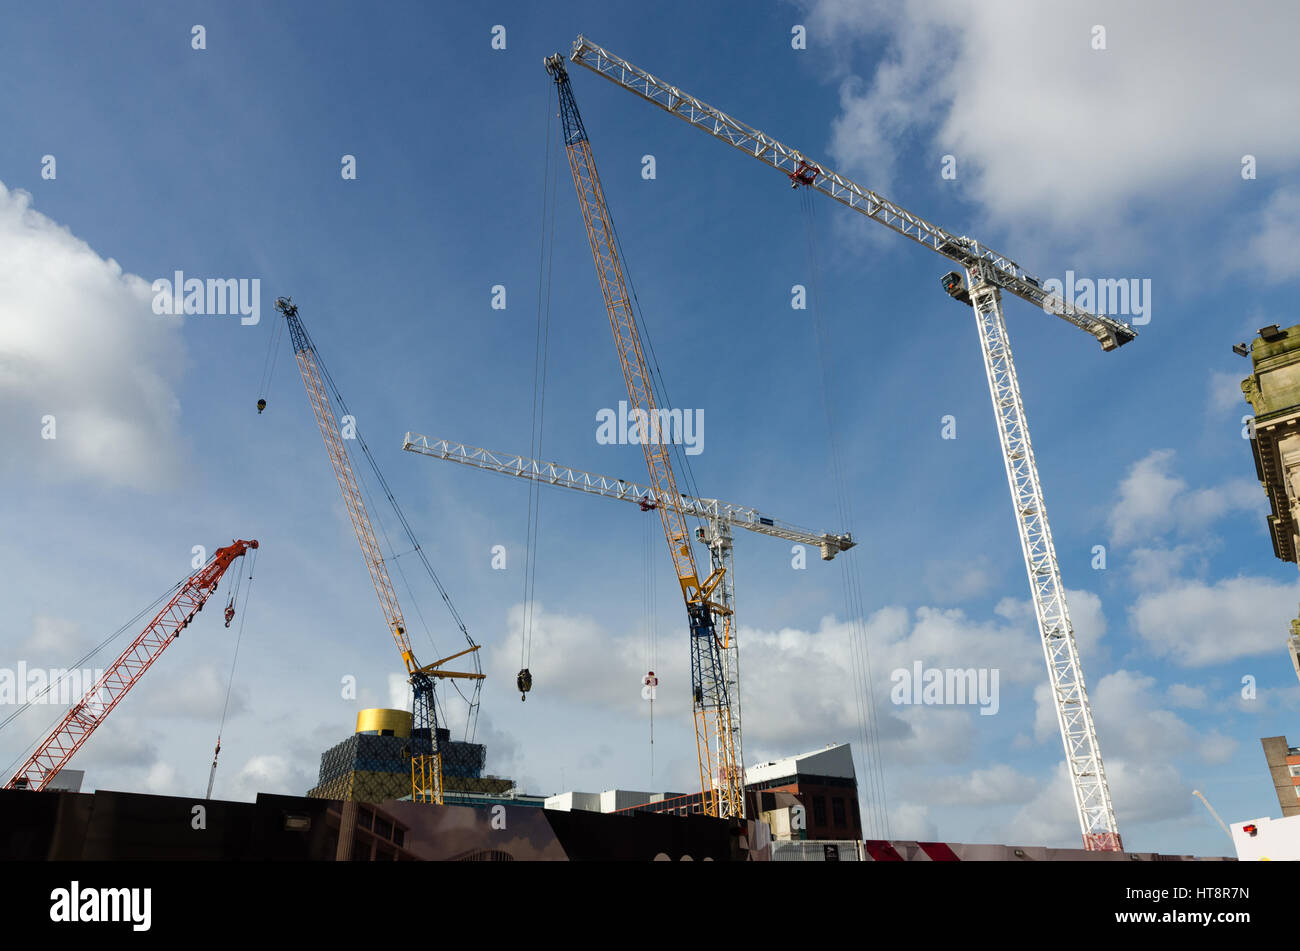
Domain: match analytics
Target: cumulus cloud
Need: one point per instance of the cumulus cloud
(201, 693)
(79, 342)
(268, 773)
(53, 638)
(1153, 502)
(1086, 616)
(1275, 238)
(999, 784)
(161, 780)
(1123, 698)
(574, 658)
(1082, 138)
(1225, 388)
(1182, 695)
(1142, 791)
(1196, 624)
(951, 582)
(1153, 568)
(800, 687)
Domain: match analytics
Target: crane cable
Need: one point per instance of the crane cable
(269, 364)
(541, 353)
(239, 637)
(859, 651)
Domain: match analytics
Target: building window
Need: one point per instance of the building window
(1295, 770)
(819, 810)
(837, 808)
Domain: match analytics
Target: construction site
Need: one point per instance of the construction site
(505, 724)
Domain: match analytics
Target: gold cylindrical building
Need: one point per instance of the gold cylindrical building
(381, 722)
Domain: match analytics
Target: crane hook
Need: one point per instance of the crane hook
(261, 405)
(524, 681)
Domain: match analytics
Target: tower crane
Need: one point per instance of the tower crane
(84, 716)
(720, 762)
(551, 473)
(987, 274)
(720, 516)
(426, 757)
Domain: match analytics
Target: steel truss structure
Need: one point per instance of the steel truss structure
(988, 273)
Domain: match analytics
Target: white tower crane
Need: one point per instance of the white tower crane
(720, 516)
(988, 273)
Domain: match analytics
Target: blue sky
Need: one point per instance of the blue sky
(225, 162)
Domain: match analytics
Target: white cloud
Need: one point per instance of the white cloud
(1086, 617)
(1154, 568)
(1048, 130)
(799, 687)
(53, 639)
(1141, 791)
(79, 341)
(161, 780)
(1124, 698)
(999, 784)
(200, 693)
(1217, 748)
(399, 692)
(951, 582)
(1153, 502)
(1197, 624)
(1274, 240)
(268, 773)
(911, 820)
(1225, 389)
(573, 659)
(1182, 695)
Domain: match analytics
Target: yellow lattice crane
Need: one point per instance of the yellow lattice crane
(722, 778)
(426, 757)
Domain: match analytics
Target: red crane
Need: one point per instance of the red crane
(105, 694)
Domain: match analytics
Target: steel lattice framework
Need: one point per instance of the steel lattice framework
(988, 272)
(552, 473)
(426, 759)
(84, 716)
(967, 252)
(721, 516)
(1082, 753)
(721, 772)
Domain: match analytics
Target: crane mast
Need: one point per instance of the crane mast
(84, 716)
(988, 273)
(1065, 671)
(426, 758)
(721, 772)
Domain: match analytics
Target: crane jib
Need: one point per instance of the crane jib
(997, 268)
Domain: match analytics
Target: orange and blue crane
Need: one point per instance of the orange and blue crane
(716, 734)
